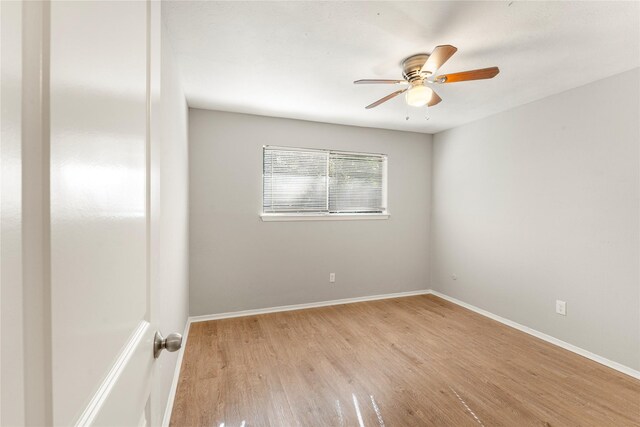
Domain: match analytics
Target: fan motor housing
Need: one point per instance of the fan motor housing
(412, 65)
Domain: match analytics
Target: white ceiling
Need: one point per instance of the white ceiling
(299, 59)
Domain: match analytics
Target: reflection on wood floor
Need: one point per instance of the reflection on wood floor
(413, 361)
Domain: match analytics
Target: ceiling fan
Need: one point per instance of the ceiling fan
(419, 72)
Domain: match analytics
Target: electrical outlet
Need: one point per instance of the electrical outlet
(332, 277)
(561, 307)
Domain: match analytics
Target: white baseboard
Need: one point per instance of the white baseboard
(172, 393)
(166, 419)
(303, 306)
(582, 352)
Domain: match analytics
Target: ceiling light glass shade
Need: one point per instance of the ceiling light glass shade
(419, 95)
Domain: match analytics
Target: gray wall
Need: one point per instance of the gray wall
(238, 262)
(542, 203)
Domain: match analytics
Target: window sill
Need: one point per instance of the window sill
(322, 217)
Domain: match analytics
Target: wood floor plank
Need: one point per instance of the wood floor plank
(413, 361)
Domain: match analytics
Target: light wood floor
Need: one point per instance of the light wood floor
(414, 361)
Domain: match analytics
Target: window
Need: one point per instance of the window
(299, 182)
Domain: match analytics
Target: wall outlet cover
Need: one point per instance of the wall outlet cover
(561, 307)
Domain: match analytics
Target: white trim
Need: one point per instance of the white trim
(322, 217)
(166, 419)
(303, 306)
(99, 398)
(548, 338)
(322, 150)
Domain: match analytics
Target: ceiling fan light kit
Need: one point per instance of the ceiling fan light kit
(419, 71)
(419, 95)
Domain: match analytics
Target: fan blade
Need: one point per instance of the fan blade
(435, 99)
(438, 57)
(484, 73)
(374, 81)
(385, 99)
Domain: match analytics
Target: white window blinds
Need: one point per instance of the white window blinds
(326, 182)
(294, 181)
(356, 183)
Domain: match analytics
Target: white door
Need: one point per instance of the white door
(102, 322)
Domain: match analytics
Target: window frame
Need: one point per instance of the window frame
(325, 216)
